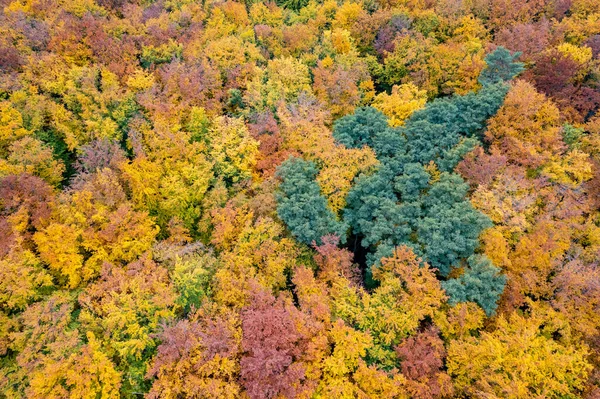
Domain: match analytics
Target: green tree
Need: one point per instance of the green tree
(501, 67)
(360, 128)
(481, 283)
(301, 205)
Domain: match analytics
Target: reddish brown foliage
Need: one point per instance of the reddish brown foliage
(555, 75)
(30, 197)
(530, 38)
(272, 346)
(479, 168)
(422, 362)
(334, 261)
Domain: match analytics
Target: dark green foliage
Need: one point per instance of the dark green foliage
(481, 283)
(450, 227)
(454, 155)
(474, 109)
(433, 131)
(359, 129)
(412, 183)
(235, 101)
(399, 204)
(436, 220)
(302, 207)
(374, 213)
(501, 67)
(429, 141)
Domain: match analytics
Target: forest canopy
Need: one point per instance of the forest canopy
(395, 199)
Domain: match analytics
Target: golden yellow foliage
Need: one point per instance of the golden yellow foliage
(30, 155)
(232, 149)
(517, 361)
(342, 165)
(399, 106)
(460, 321)
(11, 126)
(573, 169)
(347, 13)
(581, 55)
(58, 246)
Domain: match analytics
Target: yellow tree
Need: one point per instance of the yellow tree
(408, 292)
(86, 374)
(11, 126)
(340, 166)
(401, 103)
(527, 126)
(124, 309)
(22, 278)
(232, 149)
(519, 359)
(76, 249)
(282, 80)
(251, 249)
(30, 155)
(172, 173)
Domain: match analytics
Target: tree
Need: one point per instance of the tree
(301, 205)
(519, 359)
(529, 39)
(565, 80)
(11, 126)
(445, 129)
(124, 309)
(257, 251)
(501, 67)
(347, 348)
(480, 168)
(100, 154)
(90, 373)
(577, 294)
(22, 279)
(232, 149)
(198, 357)
(450, 228)
(29, 155)
(460, 321)
(186, 84)
(333, 261)
(401, 103)
(337, 86)
(232, 56)
(271, 366)
(527, 126)
(481, 283)
(422, 359)
(43, 344)
(360, 128)
(341, 166)
(172, 173)
(374, 214)
(283, 79)
(76, 250)
(407, 293)
(191, 276)
(59, 248)
(26, 204)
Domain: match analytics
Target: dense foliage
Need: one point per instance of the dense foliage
(300, 199)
